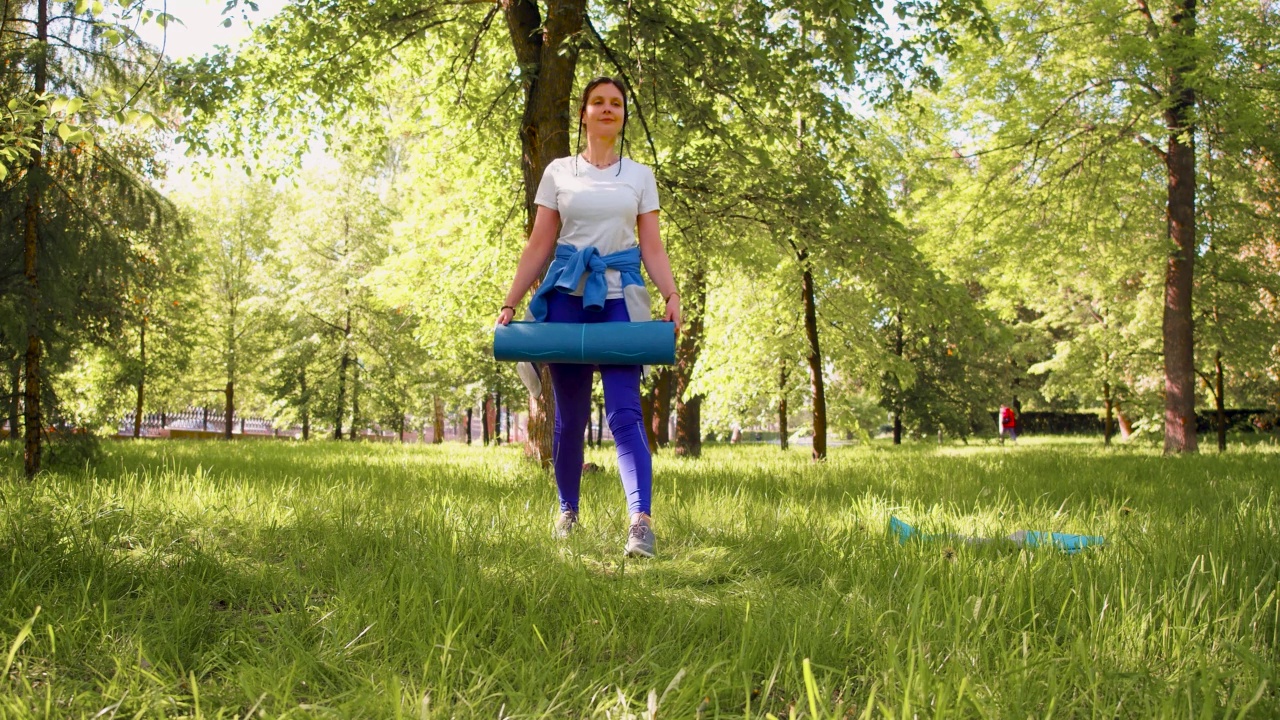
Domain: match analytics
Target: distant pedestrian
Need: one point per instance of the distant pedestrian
(1007, 420)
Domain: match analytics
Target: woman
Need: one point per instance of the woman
(598, 212)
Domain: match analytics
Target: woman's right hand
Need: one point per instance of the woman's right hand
(506, 315)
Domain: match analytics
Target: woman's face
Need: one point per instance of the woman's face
(604, 113)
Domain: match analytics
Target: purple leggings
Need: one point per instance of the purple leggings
(572, 384)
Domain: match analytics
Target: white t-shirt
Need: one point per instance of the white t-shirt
(598, 208)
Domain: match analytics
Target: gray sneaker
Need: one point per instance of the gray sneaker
(565, 524)
(640, 540)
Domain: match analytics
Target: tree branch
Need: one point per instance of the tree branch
(608, 52)
(1152, 30)
(1146, 142)
(475, 47)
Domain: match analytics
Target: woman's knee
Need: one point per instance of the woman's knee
(572, 419)
(623, 419)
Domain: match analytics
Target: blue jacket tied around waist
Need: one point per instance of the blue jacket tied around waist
(568, 267)
(566, 272)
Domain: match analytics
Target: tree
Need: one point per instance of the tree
(754, 350)
(67, 161)
(232, 218)
(330, 232)
(153, 350)
(1046, 117)
(308, 54)
(1238, 284)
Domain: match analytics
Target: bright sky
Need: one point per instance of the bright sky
(201, 29)
(199, 33)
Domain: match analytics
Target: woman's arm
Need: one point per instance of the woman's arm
(542, 240)
(656, 262)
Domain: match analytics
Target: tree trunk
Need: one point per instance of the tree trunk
(651, 421)
(898, 348)
(343, 363)
(508, 424)
(1219, 402)
(229, 410)
(546, 51)
(1180, 159)
(646, 414)
(354, 433)
(305, 401)
(816, 385)
(1122, 422)
(142, 378)
(689, 427)
(783, 373)
(468, 426)
(437, 427)
(599, 424)
(33, 420)
(402, 419)
(497, 417)
(484, 419)
(593, 441)
(541, 423)
(688, 409)
(15, 381)
(1108, 427)
(662, 407)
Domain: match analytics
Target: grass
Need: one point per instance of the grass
(321, 580)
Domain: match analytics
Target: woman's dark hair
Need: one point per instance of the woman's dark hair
(582, 110)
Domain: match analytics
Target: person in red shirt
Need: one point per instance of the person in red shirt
(1008, 423)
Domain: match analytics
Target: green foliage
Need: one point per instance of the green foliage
(231, 218)
(79, 97)
(754, 352)
(1011, 222)
(101, 77)
(1037, 178)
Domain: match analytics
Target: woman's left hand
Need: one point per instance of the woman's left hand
(673, 312)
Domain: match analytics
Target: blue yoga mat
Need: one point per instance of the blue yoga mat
(608, 343)
(1066, 542)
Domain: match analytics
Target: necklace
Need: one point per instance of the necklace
(599, 166)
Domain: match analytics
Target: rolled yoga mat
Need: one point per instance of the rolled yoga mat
(606, 343)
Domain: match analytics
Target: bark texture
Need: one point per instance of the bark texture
(1180, 160)
(547, 53)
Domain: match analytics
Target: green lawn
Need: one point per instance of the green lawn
(324, 580)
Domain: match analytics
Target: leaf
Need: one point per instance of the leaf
(64, 131)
